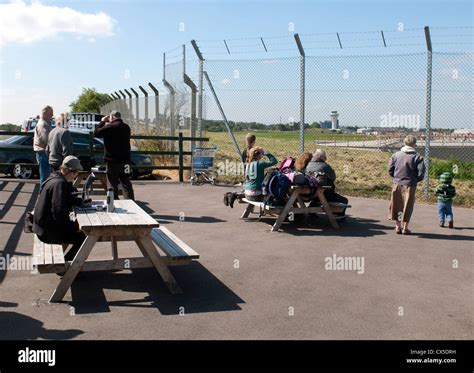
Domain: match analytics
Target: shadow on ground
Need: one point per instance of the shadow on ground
(202, 291)
(16, 326)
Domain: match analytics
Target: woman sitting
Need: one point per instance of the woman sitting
(255, 172)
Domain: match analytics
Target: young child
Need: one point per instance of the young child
(445, 192)
(249, 144)
(255, 172)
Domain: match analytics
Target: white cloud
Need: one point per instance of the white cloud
(27, 23)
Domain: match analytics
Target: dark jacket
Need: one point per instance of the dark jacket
(406, 167)
(116, 137)
(51, 217)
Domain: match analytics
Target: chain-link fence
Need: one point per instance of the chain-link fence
(356, 107)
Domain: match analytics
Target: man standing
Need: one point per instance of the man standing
(40, 142)
(116, 135)
(59, 142)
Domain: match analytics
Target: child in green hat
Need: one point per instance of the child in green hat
(445, 192)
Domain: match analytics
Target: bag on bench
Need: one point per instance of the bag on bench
(274, 187)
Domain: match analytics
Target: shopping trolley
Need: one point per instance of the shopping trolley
(202, 165)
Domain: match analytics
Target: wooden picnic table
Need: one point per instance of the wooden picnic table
(128, 222)
(100, 175)
(296, 204)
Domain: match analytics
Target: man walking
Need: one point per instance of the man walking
(116, 135)
(40, 142)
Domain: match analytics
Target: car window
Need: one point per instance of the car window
(28, 141)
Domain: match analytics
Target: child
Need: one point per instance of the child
(445, 192)
(249, 144)
(255, 172)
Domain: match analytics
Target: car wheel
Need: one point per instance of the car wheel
(22, 172)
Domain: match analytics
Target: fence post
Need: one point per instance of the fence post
(145, 93)
(122, 101)
(201, 82)
(157, 104)
(91, 146)
(429, 70)
(229, 130)
(188, 81)
(180, 157)
(129, 105)
(137, 104)
(302, 90)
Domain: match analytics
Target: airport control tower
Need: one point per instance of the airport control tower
(334, 120)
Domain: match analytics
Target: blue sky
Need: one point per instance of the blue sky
(128, 52)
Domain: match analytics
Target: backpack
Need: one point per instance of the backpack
(287, 163)
(275, 189)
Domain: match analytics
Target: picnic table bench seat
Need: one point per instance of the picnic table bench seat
(175, 249)
(48, 258)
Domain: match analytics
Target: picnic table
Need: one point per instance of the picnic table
(128, 222)
(83, 175)
(296, 204)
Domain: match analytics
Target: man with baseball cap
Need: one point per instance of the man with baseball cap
(51, 220)
(116, 135)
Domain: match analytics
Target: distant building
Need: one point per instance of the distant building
(463, 131)
(334, 120)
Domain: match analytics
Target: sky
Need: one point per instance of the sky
(50, 50)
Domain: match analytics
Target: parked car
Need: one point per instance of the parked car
(19, 149)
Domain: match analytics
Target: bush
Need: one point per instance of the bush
(461, 170)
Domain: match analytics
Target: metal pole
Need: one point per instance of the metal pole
(146, 105)
(201, 83)
(190, 84)
(122, 102)
(172, 92)
(223, 115)
(129, 105)
(429, 70)
(302, 90)
(157, 104)
(137, 103)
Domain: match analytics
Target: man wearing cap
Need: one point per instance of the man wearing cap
(51, 220)
(116, 135)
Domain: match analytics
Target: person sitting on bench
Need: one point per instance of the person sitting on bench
(51, 221)
(318, 166)
(254, 175)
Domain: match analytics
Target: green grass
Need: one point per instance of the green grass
(310, 134)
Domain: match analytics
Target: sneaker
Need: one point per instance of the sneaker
(441, 225)
(406, 231)
(450, 224)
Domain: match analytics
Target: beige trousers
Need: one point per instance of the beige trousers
(402, 202)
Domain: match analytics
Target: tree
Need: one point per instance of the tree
(89, 101)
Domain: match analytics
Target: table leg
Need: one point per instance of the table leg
(247, 211)
(74, 268)
(113, 241)
(326, 207)
(149, 250)
(285, 211)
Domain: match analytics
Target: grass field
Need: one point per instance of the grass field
(360, 172)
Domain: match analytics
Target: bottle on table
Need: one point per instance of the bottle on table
(110, 200)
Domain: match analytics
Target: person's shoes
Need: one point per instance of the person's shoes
(406, 231)
(441, 225)
(233, 197)
(398, 230)
(450, 224)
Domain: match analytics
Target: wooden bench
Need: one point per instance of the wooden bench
(175, 249)
(296, 204)
(48, 258)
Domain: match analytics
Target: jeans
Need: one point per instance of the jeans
(44, 167)
(445, 211)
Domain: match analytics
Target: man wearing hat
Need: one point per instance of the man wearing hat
(116, 135)
(51, 221)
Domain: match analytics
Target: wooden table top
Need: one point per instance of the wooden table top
(127, 214)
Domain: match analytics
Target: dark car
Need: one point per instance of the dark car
(19, 149)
